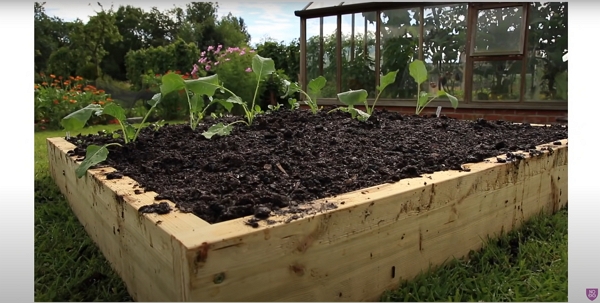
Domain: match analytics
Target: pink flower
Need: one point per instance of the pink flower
(202, 60)
(242, 53)
(248, 70)
(227, 59)
(210, 48)
(217, 63)
(207, 68)
(195, 70)
(202, 54)
(251, 50)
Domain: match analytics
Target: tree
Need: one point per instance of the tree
(49, 35)
(129, 21)
(89, 38)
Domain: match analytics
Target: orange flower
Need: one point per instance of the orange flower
(60, 77)
(101, 91)
(52, 76)
(177, 72)
(36, 86)
(100, 102)
(109, 99)
(185, 77)
(65, 97)
(44, 83)
(66, 82)
(73, 101)
(55, 101)
(94, 102)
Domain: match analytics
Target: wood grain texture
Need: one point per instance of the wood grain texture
(374, 239)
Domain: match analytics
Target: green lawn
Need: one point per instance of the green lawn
(526, 265)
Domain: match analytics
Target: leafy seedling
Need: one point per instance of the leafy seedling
(262, 68)
(314, 88)
(96, 154)
(195, 90)
(418, 72)
(352, 98)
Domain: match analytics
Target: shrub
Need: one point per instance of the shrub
(176, 56)
(234, 67)
(56, 97)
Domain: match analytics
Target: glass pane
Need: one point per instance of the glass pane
(358, 65)
(445, 37)
(546, 77)
(329, 57)
(313, 38)
(499, 30)
(496, 80)
(399, 47)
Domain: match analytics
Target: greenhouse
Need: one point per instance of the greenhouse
(501, 60)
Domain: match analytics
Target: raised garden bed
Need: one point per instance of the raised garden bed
(303, 207)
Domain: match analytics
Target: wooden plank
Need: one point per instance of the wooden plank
(141, 250)
(349, 254)
(344, 254)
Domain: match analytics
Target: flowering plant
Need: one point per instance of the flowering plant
(56, 97)
(234, 67)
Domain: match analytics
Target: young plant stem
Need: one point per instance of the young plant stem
(370, 110)
(249, 113)
(137, 132)
(191, 112)
(239, 121)
(313, 107)
(125, 137)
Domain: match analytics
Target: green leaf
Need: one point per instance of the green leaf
(262, 67)
(292, 88)
(77, 119)
(196, 103)
(257, 108)
(204, 85)
(418, 71)
(130, 130)
(423, 99)
(388, 79)
(235, 100)
(316, 85)
(155, 100)
(227, 105)
(93, 155)
(171, 82)
(353, 97)
(453, 100)
(363, 116)
(114, 110)
(218, 129)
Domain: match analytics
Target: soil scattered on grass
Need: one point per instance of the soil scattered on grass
(288, 158)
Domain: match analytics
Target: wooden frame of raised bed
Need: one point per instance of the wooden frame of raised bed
(374, 239)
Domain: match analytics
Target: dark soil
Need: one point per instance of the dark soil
(287, 159)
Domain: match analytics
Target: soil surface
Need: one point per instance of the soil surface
(289, 158)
